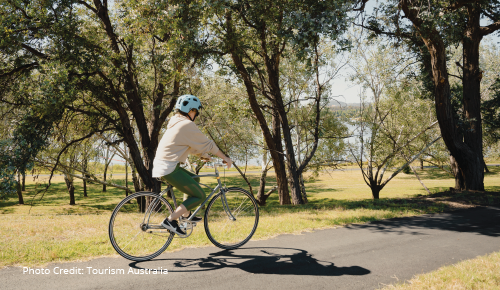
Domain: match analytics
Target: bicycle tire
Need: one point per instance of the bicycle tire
(129, 229)
(224, 232)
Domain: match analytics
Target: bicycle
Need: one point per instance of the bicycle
(230, 220)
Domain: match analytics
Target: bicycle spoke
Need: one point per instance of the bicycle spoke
(123, 248)
(222, 230)
(147, 242)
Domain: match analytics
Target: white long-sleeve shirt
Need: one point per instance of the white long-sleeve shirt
(181, 139)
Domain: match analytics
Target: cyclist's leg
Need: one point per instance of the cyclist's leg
(197, 179)
(183, 181)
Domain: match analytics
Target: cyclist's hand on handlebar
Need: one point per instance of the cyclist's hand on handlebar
(228, 161)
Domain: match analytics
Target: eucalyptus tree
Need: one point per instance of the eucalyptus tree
(393, 116)
(120, 63)
(429, 28)
(307, 87)
(252, 38)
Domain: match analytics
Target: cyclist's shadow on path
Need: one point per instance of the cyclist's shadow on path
(267, 260)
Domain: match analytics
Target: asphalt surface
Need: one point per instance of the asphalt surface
(365, 256)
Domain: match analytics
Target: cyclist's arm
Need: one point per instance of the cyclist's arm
(225, 158)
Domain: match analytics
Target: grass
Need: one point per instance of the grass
(479, 273)
(53, 231)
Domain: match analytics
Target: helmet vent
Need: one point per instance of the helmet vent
(185, 103)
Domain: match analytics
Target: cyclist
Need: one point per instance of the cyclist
(181, 139)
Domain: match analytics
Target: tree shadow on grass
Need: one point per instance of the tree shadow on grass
(261, 260)
(490, 197)
(99, 201)
(431, 173)
(395, 205)
(437, 173)
(480, 220)
(57, 195)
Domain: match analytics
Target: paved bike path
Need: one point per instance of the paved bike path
(362, 256)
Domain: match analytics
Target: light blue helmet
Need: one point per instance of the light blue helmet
(186, 103)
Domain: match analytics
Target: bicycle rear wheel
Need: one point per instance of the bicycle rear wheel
(137, 234)
(232, 226)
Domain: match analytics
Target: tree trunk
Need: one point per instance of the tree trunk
(199, 167)
(24, 181)
(126, 169)
(467, 149)
(485, 167)
(303, 188)
(155, 185)
(279, 163)
(126, 177)
(106, 164)
(421, 164)
(295, 191)
(19, 190)
(141, 187)
(141, 203)
(272, 66)
(104, 178)
(135, 179)
(71, 189)
(301, 176)
(375, 187)
(273, 140)
(375, 191)
(459, 178)
(85, 163)
(261, 196)
(473, 133)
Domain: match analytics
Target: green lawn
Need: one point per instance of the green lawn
(52, 231)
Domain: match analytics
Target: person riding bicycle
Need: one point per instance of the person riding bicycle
(181, 139)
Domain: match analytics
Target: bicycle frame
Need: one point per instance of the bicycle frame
(219, 188)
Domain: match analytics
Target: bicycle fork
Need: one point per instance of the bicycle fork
(225, 205)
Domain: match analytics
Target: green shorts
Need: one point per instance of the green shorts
(182, 179)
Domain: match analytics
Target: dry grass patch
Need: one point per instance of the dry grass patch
(480, 273)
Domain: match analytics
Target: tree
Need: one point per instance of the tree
(256, 36)
(394, 118)
(431, 28)
(317, 133)
(122, 68)
(107, 157)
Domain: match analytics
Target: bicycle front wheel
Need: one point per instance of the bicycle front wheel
(231, 218)
(135, 229)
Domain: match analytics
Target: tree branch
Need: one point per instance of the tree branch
(88, 6)
(410, 161)
(485, 30)
(21, 68)
(34, 51)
